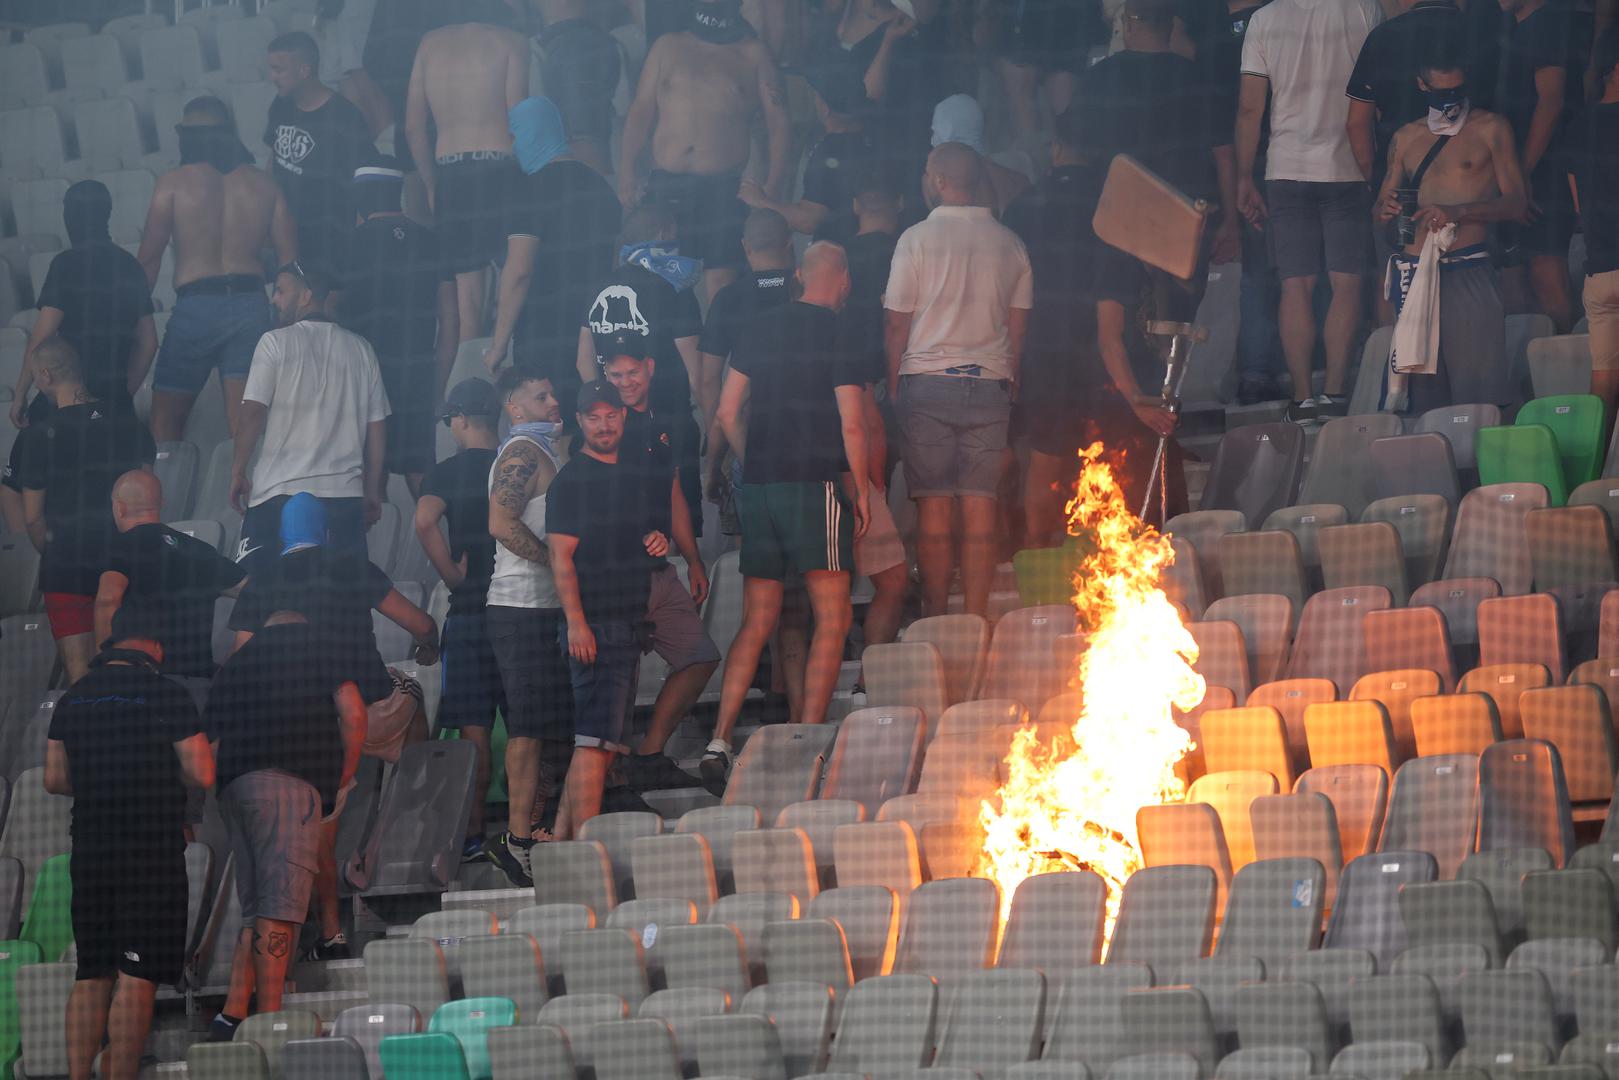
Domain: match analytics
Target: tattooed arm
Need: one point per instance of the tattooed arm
(516, 471)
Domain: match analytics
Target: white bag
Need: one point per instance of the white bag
(1415, 349)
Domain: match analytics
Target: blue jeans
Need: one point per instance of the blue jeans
(604, 692)
(209, 330)
(1259, 341)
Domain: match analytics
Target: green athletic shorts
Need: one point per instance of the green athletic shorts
(794, 528)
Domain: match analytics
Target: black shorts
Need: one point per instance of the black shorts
(533, 671)
(1549, 234)
(708, 215)
(472, 688)
(411, 444)
(582, 63)
(129, 914)
(260, 544)
(470, 200)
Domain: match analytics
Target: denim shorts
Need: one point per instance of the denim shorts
(954, 431)
(209, 330)
(533, 671)
(472, 689)
(604, 692)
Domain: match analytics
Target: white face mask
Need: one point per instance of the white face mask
(1448, 119)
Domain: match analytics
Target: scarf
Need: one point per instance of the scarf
(538, 135)
(666, 262)
(719, 22)
(541, 431)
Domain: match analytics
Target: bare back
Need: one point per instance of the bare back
(472, 74)
(220, 223)
(1464, 172)
(707, 97)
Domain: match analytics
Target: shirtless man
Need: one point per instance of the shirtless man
(466, 77)
(696, 101)
(1471, 182)
(220, 211)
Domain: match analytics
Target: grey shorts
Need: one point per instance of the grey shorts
(273, 819)
(954, 433)
(1319, 227)
(1472, 343)
(677, 629)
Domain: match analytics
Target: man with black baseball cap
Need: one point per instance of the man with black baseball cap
(456, 491)
(607, 522)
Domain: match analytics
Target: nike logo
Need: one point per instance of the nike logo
(243, 551)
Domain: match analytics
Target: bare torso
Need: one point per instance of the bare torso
(468, 73)
(707, 97)
(1464, 172)
(221, 223)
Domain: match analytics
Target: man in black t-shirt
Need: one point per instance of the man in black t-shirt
(805, 395)
(66, 469)
(561, 240)
(162, 578)
(399, 294)
(125, 743)
(455, 492)
(317, 138)
(650, 294)
(604, 523)
(287, 723)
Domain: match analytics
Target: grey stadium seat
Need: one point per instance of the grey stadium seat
(416, 845)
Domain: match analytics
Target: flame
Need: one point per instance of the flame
(1069, 801)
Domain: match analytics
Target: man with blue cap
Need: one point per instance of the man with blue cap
(559, 242)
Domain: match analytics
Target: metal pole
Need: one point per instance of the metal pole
(1181, 338)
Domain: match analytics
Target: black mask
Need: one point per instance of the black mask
(86, 210)
(212, 144)
(719, 22)
(111, 655)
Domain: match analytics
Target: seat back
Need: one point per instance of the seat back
(1434, 808)
(1454, 724)
(1203, 529)
(1222, 656)
(1330, 643)
(1305, 522)
(1350, 733)
(1342, 469)
(1569, 547)
(1299, 826)
(1265, 562)
(780, 764)
(1395, 691)
(415, 847)
(1459, 424)
(1359, 797)
(1522, 454)
(1022, 663)
(1576, 423)
(1575, 720)
(1252, 738)
(888, 1025)
(907, 673)
(1274, 911)
(1420, 464)
(1256, 470)
(1522, 630)
(1369, 553)
(1055, 922)
(950, 928)
(1523, 799)
(1166, 916)
(1266, 622)
(878, 755)
(432, 1056)
(1489, 540)
(1505, 684)
(1423, 525)
(962, 641)
(1366, 915)
(1231, 794)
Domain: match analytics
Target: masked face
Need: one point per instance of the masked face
(1447, 104)
(718, 21)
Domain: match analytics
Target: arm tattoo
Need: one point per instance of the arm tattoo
(513, 473)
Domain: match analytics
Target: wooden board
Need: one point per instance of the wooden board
(1143, 215)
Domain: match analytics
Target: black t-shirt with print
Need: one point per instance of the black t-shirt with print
(313, 158)
(462, 481)
(738, 302)
(102, 294)
(636, 300)
(119, 725)
(833, 172)
(575, 216)
(271, 707)
(392, 270)
(610, 509)
(174, 580)
(75, 458)
(794, 358)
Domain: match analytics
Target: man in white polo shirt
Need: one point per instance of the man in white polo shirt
(314, 398)
(956, 311)
(1316, 205)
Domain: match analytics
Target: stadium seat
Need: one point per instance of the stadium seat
(1423, 525)
(950, 930)
(415, 847)
(1490, 540)
(11, 902)
(469, 1021)
(1230, 794)
(1523, 799)
(779, 861)
(110, 140)
(1264, 1062)
(1558, 959)
(888, 1024)
(24, 76)
(1305, 522)
(1222, 656)
(747, 914)
(1523, 453)
(606, 961)
(1454, 724)
(1407, 638)
(1276, 1023)
(176, 469)
(616, 832)
(36, 827)
(272, 1031)
(907, 673)
(235, 1061)
(1505, 684)
(1299, 826)
(1575, 720)
(172, 58)
(869, 916)
(1166, 915)
(1508, 1007)
(93, 67)
(878, 755)
(576, 1014)
(983, 716)
(1501, 871)
(1406, 465)
(1252, 738)
(1395, 691)
(967, 766)
(878, 853)
(677, 866)
(1350, 733)
(1574, 903)
(1452, 913)
(13, 956)
(335, 1058)
(1341, 468)
(1266, 622)
(431, 1056)
(1560, 365)
(243, 47)
(1434, 808)
(1182, 580)
(1330, 641)
(1522, 630)
(809, 950)
(1266, 562)
(507, 966)
(1274, 910)
(1576, 423)
(1366, 554)
(819, 819)
(1569, 546)
(780, 764)
(642, 1049)
(1367, 912)
(1359, 797)
(718, 825)
(1161, 1024)
(802, 1016)
(962, 642)
(706, 956)
(1021, 664)
(646, 920)
(1256, 470)
(407, 971)
(1203, 529)
(738, 1045)
(49, 920)
(1602, 492)
(1055, 924)
(448, 928)
(1331, 972)
(1291, 697)
(529, 1050)
(1085, 1026)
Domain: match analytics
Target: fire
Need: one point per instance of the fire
(1070, 802)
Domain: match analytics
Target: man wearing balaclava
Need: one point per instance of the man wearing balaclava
(699, 92)
(220, 213)
(561, 239)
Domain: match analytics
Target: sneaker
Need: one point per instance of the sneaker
(716, 763)
(473, 850)
(1330, 405)
(335, 947)
(511, 855)
(1303, 412)
(625, 799)
(223, 1029)
(655, 772)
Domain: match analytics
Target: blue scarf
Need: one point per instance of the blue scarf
(666, 262)
(541, 431)
(538, 137)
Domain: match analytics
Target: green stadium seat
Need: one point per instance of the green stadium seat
(1575, 421)
(469, 1021)
(1046, 575)
(1522, 453)
(13, 955)
(49, 923)
(434, 1056)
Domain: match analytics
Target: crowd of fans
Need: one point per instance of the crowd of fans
(702, 327)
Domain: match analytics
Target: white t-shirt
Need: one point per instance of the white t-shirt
(322, 387)
(957, 274)
(1307, 49)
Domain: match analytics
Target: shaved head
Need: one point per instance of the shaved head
(824, 257)
(137, 499)
(825, 275)
(956, 171)
(57, 359)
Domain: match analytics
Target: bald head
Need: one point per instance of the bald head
(825, 275)
(57, 371)
(137, 499)
(767, 240)
(955, 172)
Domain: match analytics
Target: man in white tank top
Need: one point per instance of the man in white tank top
(523, 614)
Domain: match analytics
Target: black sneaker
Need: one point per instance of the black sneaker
(473, 850)
(1331, 405)
(655, 772)
(625, 799)
(715, 765)
(1303, 412)
(223, 1029)
(511, 855)
(335, 947)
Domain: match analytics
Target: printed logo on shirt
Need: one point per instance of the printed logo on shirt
(171, 541)
(618, 308)
(132, 956)
(292, 145)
